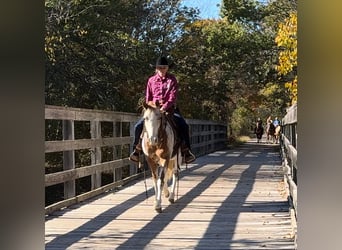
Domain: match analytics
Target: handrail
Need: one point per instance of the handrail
(288, 147)
(205, 137)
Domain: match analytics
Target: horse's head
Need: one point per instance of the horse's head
(152, 122)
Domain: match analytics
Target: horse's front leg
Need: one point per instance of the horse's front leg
(168, 170)
(175, 172)
(158, 189)
(166, 179)
(155, 177)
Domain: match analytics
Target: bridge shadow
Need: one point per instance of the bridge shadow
(99, 221)
(222, 226)
(225, 217)
(161, 221)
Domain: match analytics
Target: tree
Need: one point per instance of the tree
(261, 69)
(99, 53)
(85, 65)
(245, 11)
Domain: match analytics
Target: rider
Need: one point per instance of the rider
(259, 129)
(162, 87)
(276, 122)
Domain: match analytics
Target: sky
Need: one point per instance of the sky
(207, 8)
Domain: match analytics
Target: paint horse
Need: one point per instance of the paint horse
(162, 154)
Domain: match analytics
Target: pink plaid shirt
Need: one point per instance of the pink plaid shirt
(162, 90)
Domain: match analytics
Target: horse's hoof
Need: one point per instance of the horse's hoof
(159, 210)
(172, 201)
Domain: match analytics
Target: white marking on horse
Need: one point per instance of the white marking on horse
(157, 144)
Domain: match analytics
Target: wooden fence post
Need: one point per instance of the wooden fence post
(96, 157)
(117, 132)
(69, 158)
(132, 167)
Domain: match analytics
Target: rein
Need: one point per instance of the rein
(140, 166)
(162, 129)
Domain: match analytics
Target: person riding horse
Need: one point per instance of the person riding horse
(259, 130)
(162, 152)
(162, 88)
(277, 129)
(270, 131)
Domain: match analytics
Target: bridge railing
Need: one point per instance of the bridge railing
(93, 146)
(288, 144)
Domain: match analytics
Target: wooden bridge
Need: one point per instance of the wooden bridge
(234, 198)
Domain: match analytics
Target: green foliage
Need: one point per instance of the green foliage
(275, 98)
(241, 121)
(99, 55)
(246, 11)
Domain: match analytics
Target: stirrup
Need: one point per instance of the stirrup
(189, 157)
(135, 155)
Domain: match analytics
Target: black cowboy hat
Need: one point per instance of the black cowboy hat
(162, 61)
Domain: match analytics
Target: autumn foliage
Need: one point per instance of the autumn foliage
(286, 39)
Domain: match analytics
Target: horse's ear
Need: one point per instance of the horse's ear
(145, 105)
(157, 104)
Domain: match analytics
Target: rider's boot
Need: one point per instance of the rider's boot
(188, 155)
(136, 152)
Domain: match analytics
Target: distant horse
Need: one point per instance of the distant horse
(162, 156)
(277, 133)
(270, 132)
(259, 131)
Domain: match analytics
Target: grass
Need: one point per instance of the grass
(236, 141)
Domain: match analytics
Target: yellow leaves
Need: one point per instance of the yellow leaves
(269, 90)
(292, 87)
(286, 39)
(287, 32)
(51, 43)
(81, 32)
(287, 61)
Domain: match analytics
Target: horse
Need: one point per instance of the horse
(161, 152)
(277, 133)
(270, 132)
(259, 131)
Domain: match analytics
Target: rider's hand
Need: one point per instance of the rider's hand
(151, 103)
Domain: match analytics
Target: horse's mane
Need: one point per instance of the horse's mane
(151, 105)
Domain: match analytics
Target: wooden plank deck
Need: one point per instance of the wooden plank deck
(232, 199)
